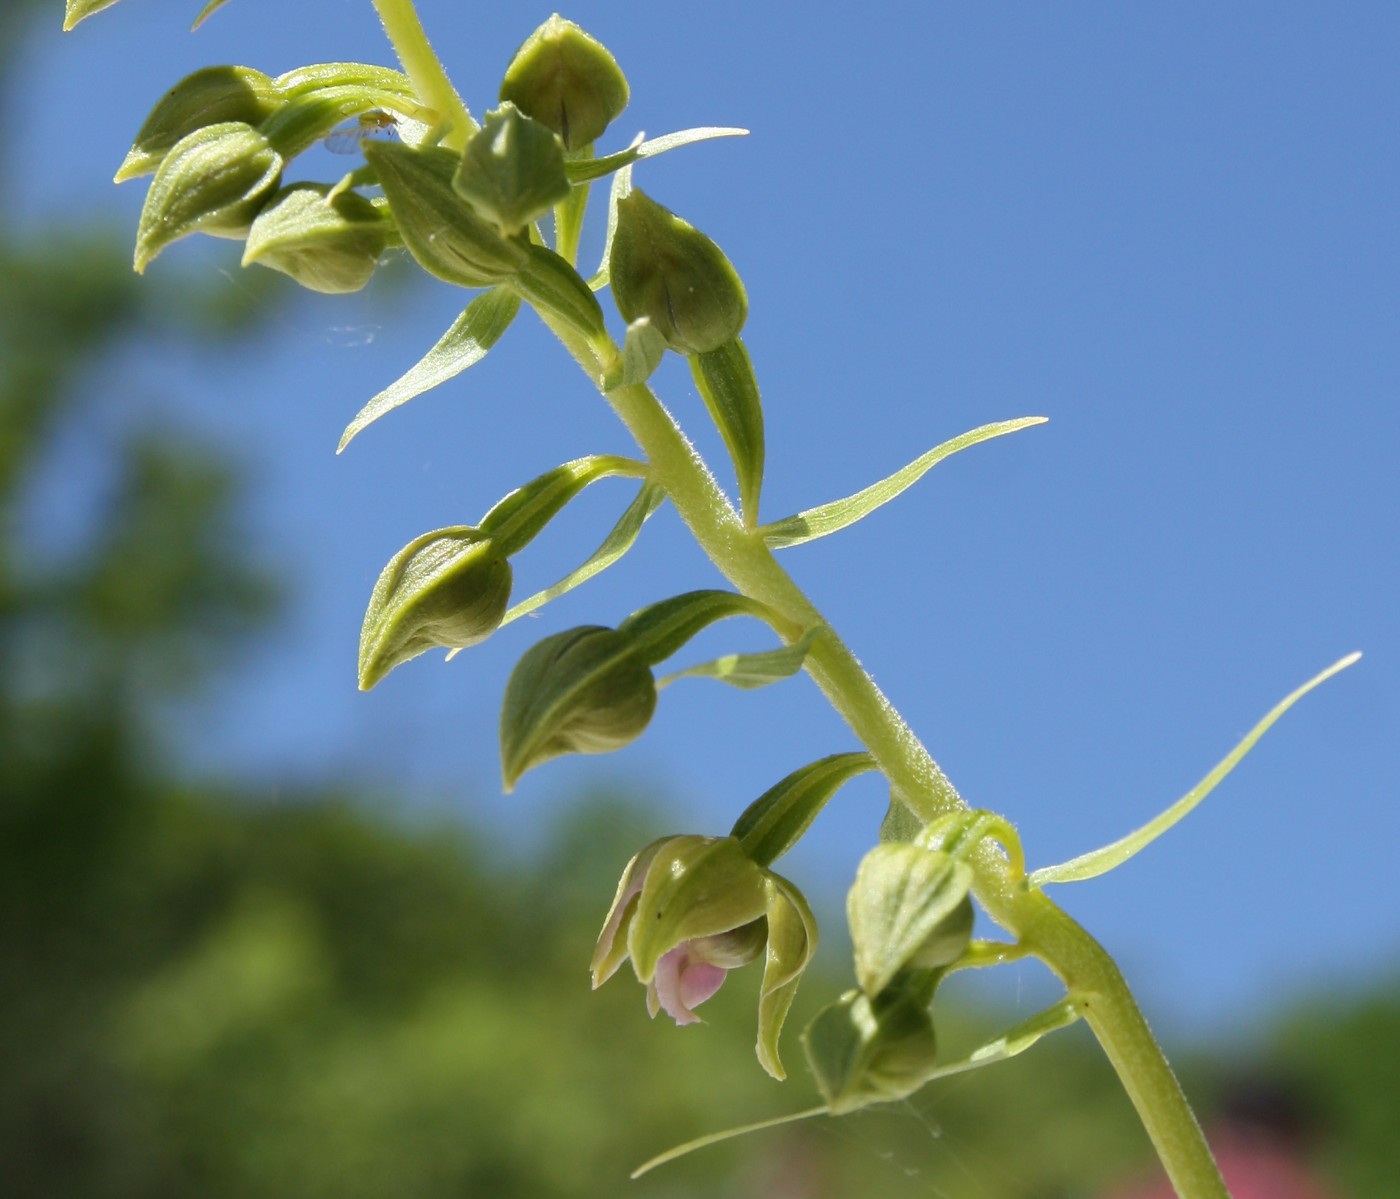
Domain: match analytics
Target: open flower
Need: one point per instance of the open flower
(689, 909)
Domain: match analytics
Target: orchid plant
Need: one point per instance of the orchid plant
(496, 207)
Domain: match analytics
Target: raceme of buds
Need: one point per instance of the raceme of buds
(863, 1050)
(566, 80)
(689, 909)
(327, 243)
(211, 96)
(446, 589)
(441, 230)
(214, 180)
(666, 270)
(512, 170)
(586, 690)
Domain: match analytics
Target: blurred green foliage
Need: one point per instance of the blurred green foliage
(206, 993)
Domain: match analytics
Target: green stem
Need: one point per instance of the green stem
(420, 64)
(1083, 965)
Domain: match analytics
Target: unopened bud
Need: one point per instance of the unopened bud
(208, 97)
(214, 180)
(566, 80)
(512, 170)
(328, 244)
(447, 589)
(863, 1050)
(666, 270)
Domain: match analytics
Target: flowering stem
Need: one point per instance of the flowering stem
(1042, 927)
(420, 62)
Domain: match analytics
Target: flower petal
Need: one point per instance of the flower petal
(682, 982)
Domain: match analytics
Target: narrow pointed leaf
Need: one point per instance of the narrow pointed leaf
(750, 671)
(582, 170)
(80, 10)
(1102, 860)
(207, 11)
(466, 343)
(522, 515)
(778, 818)
(660, 629)
(1014, 1040)
(621, 185)
(618, 542)
(727, 385)
(837, 515)
(714, 1138)
(642, 351)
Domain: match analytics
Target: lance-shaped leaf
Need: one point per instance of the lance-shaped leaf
(581, 170)
(642, 350)
(208, 97)
(207, 11)
(1102, 860)
(586, 690)
(314, 112)
(79, 10)
(1014, 1040)
(621, 185)
(448, 588)
(558, 293)
(907, 911)
(660, 629)
(322, 75)
(778, 818)
(727, 385)
(481, 325)
(837, 515)
(750, 671)
(214, 180)
(520, 517)
(618, 542)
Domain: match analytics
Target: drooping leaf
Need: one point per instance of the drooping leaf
(618, 542)
(837, 515)
(778, 818)
(466, 343)
(1100, 861)
(750, 671)
(660, 629)
(80, 10)
(521, 516)
(729, 388)
(582, 170)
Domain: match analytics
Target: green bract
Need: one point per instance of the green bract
(566, 80)
(211, 96)
(328, 243)
(214, 180)
(441, 230)
(447, 589)
(666, 270)
(512, 170)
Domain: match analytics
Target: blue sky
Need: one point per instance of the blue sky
(1171, 229)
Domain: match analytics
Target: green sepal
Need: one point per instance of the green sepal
(80, 10)
(642, 351)
(729, 388)
(558, 292)
(520, 517)
(611, 949)
(512, 170)
(750, 671)
(662, 267)
(695, 887)
(905, 912)
(446, 589)
(777, 819)
(792, 942)
(837, 515)
(566, 80)
(584, 170)
(214, 180)
(659, 630)
(439, 228)
(482, 324)
(900, 824)
(585, 690)
(211, 96)
(319, 76)
(207, 11)
(618, 541)
(330, 244)
(863, 1050)
(311, 114)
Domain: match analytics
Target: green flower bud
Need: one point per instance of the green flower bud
(583, 691)
(214, 180)
(330, 245)
(440, 229)
(446, 589)
(863, 1051)
(566, 80)
(208, 97)
(512, 170)
(669, 272)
